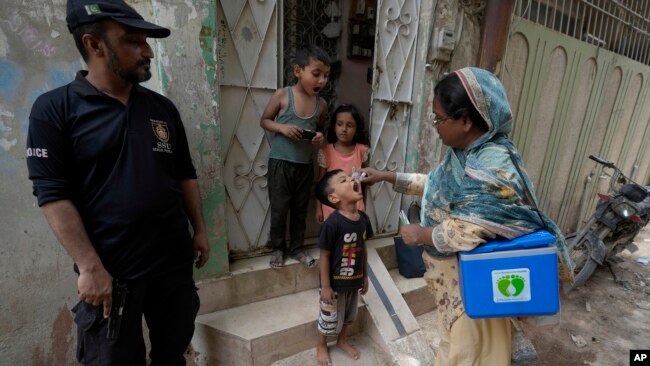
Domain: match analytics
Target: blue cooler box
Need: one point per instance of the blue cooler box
(518, 277)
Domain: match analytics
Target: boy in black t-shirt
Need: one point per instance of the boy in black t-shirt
(343, 261)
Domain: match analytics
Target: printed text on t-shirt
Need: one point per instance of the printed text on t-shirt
(350, 250)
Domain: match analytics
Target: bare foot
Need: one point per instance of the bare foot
(322, 355)
(349, 349)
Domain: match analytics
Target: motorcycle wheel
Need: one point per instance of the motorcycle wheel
(580, 255)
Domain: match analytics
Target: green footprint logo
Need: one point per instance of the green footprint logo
(511, 285)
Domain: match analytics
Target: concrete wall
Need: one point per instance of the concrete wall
(37, 54)
(464, 17)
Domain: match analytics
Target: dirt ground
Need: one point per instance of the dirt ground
(611, 313)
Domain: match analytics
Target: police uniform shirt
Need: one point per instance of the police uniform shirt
(121, 166)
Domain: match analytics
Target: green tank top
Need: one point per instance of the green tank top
(284, 148)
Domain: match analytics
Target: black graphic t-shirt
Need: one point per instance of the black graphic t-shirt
(346, 241)
(121, 166)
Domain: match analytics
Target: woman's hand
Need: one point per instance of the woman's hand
(370, 176)
(414, 234)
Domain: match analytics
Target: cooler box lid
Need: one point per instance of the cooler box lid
(538, 239)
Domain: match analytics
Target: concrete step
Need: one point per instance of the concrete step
(415, 292)
(261, 332)
(252, 280)
(429, 326)
(392, 324)
(386, 249)
(258, 315)
(371, 355)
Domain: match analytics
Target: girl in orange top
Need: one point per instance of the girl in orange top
(347, 149)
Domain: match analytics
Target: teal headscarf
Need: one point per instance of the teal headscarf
(481, 184)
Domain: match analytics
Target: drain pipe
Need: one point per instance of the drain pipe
(635, 169)
(494, 34)
(583, 201)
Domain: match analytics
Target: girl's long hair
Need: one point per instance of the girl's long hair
(361, 135)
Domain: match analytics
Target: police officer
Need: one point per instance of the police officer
(111, 169)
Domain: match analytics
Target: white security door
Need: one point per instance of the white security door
(248, 67)
(395, 46)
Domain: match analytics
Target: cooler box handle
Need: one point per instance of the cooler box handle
(538, 239)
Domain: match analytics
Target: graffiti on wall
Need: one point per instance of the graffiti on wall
(5, 130)
(57, 77)
(11, 75)
(30, 36)
(15, 104)
(8, 164)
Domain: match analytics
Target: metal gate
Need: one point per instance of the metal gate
(248, 48)
(572, 97)
(251, 52)
(395, 53)
(250, 71)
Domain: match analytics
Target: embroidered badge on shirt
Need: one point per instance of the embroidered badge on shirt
(160, 130)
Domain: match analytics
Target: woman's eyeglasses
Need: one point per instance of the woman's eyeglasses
(437, 120)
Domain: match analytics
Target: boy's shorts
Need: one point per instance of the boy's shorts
(343, 311)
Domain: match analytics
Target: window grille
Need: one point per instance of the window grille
(620, 26)
(303, 22)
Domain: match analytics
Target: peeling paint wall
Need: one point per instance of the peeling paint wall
(37, 286)
(187, 71)
(37, 54)
(464, 17)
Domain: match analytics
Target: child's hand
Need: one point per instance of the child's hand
(291, 131)
(318, 139)
(327, 295)
(364, 288)
(319, 214)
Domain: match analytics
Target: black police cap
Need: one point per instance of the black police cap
(90, 11)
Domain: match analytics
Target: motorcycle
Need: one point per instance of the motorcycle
(620, 215)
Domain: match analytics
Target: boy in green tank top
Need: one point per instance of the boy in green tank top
(295, 116)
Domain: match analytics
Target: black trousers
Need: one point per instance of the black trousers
(169, 304)
(289, 194)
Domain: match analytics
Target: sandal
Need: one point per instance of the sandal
(277, 259)
(305, 259)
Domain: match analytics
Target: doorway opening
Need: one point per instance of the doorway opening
(373, 46)
(346, 31)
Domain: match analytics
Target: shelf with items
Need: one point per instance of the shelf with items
(361, 29)
(361, 38)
